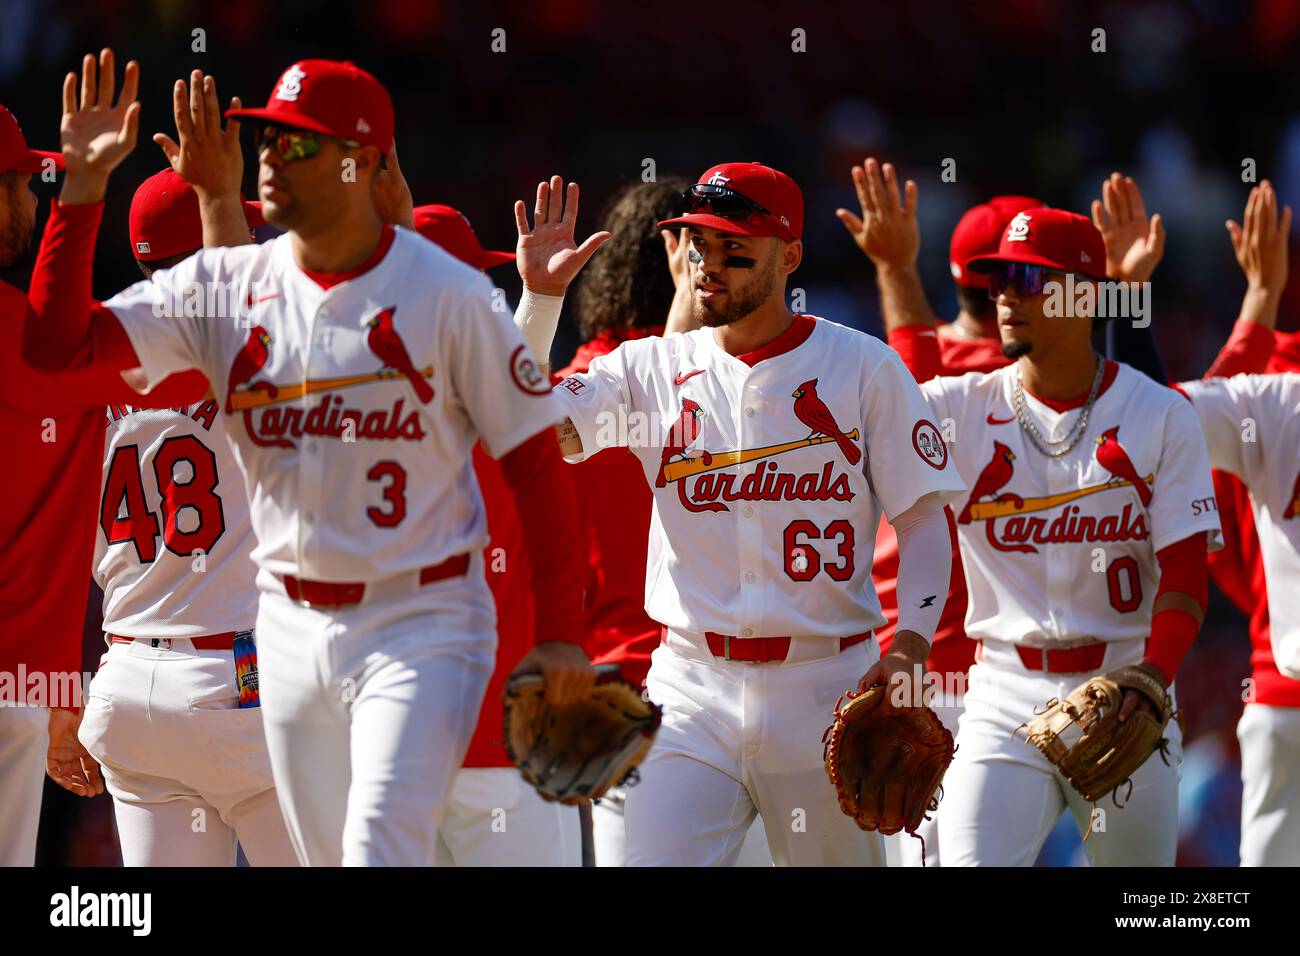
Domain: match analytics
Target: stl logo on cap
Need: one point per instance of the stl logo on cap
(1018, 231)
(717, 179)
(290, 84)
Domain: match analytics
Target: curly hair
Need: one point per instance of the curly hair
(628, 285)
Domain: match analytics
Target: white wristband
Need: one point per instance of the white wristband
(537, 317)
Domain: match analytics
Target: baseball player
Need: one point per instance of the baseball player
(172, 716)
(493, 817)
(887, 234)
(1249, 422)
(54, 425)
(356, 377)
(1084, 545)
(1267, 728)
(624, 295)
(771, 442)
(1256, 568)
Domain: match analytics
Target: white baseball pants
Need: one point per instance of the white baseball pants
(24, 737)
(610, 839)
(368, 713)
(903, 849)
(1270, 778)
(494, 818)
(743, 739)
(1002, 797)
(186, 766)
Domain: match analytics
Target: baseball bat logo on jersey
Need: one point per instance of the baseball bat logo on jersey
(765, 483)
(1070, 525)
(275, 427)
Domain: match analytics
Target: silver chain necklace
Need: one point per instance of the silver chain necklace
(1065, 444)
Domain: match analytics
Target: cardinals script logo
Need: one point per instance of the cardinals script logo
(275, 427)
(1070, 525)
(683, 460)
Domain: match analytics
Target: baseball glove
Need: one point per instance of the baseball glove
(1083, 738)
(886, 764)
(574, 754)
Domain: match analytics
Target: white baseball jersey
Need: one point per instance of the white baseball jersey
(352, 409)
(769, 471)
(1252, 427)
(172, 552)
(1063, 550)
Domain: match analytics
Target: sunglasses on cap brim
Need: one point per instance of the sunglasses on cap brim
(293, 144)
(722, 202)
(1024, 277)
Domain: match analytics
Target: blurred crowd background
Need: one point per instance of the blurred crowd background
(1010, 90)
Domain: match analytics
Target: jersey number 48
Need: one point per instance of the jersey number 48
(139, 525)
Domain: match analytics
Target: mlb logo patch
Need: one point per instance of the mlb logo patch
(142, 248)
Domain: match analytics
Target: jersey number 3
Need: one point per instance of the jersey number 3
(140, 525)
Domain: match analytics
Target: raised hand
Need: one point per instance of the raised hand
(97, 134)
(393, 200)
(1134, 244)
(207, 157)
(1260, 244)
(547, 256)
(886, 231)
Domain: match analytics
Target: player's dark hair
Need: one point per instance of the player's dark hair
(627, 284)
(976, 303)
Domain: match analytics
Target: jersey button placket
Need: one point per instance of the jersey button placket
(1058, 584)
(750, 528)
(310, 467)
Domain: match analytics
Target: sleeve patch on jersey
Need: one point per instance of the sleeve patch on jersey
(525, 373)
(573, 384)
(929, 445)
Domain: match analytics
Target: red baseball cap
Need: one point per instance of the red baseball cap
(337, 99)
(979, 232)
(165, 219)
(15, 157)
(770, 188)
(450, 229)
(1049, 237)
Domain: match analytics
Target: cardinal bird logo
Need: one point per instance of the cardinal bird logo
(248, 362)
(994, 476)
(812, 411)
(1112, 456)
(1293, 506)
(684, 431)
(384, 341)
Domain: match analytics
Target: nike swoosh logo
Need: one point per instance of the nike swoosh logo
(682, 378)
(253, 302)
(999, 421)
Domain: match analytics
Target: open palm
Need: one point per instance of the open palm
(547, 255)
(96, 133)
(1134, 244)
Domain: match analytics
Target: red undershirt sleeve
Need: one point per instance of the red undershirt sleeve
(65, 329)
(1247, 351)
(1184, 570)
(918, 347)
(548, 512)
